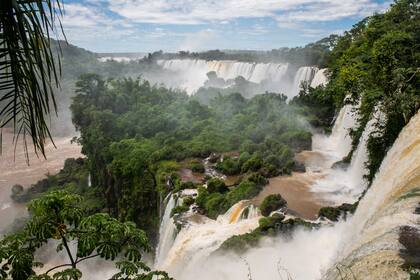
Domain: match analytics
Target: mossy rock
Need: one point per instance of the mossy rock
(271, 203)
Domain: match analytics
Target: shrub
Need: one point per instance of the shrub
(188, 201)
(229, 166)
(184, 185)
(298, 140)
(271, 203)
(334, 213)
(252, 164)
(258, 179)
(202, 197)
(179, 209)
(215, 205)
(216, 185)
(196, 166)
(245, 190)
(240, 243)
(269, 223)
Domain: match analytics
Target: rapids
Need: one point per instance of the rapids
(365, 245)
(196, 242)
(371, 248)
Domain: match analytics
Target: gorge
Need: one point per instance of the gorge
(297, 163)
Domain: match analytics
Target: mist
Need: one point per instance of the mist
(306, 254)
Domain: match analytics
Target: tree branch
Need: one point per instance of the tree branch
(58, 266)
(73, 264)
(85, 258)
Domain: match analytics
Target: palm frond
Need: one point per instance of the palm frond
(28, 67)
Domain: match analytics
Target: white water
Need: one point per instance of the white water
(371, 248)
(194, 73)
(345, 186)
(366, 245)
(198, 240)
(338, 144)
(167, 231)
(320, 78)
(195, 244)
(304, 74)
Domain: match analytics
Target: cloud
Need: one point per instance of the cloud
(182, 24)
(198, 41)
(208, 11)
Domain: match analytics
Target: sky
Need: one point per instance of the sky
(198, 25)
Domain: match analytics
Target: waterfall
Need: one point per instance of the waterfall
(320, 78)
(366, 246)
(193, 73)
(338, 144)
(304, 74)
(167, 231)
(371, 247)
(345, 186)
(197, 240)
(89, 180)
(338, 185)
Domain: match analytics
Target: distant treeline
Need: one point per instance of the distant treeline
(312, 54)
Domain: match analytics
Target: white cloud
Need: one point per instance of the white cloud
(76, 15)
(198, 41)
(101, 23)
(206, 11)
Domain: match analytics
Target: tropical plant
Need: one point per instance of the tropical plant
(57, 218)
(28, 67)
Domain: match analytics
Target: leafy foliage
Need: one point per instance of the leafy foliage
(268, 226)
(28, 67)
(271, 203)
(376, 64)
(57, 216)
(131, 130)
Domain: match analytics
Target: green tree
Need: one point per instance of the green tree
(57, 216)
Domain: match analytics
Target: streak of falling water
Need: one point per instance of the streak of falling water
(167, 231)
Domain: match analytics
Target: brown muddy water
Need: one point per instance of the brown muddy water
(295, 189)
(14, 169)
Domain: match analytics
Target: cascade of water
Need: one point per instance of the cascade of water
(197, 241)
(304, 74)
(167, 232)
(320, 78)
(341, 186)
(338, 144)
(366, 246)
(194, 72)
(371, 249)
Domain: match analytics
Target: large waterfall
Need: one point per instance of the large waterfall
(202, 236)
(338, 144)
(167, 231)
(366, 245)
(194, 245)
(193, 74)
(371, 249)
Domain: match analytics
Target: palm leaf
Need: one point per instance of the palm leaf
(29, 69)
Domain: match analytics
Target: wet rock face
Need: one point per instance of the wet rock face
(409, 237)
